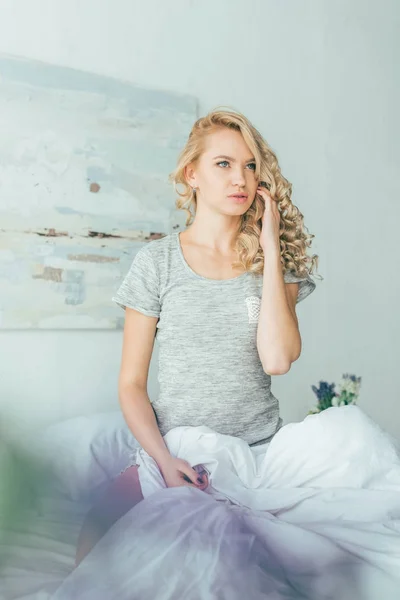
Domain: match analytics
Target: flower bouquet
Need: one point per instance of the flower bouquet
(349, 389)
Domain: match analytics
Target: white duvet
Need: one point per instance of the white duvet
(314, 514)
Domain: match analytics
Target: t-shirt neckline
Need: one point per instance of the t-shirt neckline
(188, 268)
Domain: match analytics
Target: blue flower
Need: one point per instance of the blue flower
(325, 392)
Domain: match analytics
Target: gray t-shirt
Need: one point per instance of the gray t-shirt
(209, 370)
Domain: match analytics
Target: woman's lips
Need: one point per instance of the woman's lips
(239, 199)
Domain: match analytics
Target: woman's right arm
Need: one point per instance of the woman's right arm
(137, 349)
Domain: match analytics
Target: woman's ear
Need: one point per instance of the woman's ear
(190, 175)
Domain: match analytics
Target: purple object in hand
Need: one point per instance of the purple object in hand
(200, 470)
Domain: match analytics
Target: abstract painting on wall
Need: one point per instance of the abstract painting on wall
(84, 164)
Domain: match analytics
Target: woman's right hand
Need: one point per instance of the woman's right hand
(174, 471)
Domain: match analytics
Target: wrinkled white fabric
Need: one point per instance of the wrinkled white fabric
(313, 514)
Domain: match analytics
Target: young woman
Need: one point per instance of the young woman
(220, 299)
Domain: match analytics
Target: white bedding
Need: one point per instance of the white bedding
(315, 514)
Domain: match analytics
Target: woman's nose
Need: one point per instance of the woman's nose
(239, 180)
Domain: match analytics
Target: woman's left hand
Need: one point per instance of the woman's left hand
(269, 236)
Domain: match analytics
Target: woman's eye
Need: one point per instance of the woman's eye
(225, 161)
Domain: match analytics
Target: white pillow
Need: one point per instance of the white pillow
(83, 454)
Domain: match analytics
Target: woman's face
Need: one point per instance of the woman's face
(226, 167)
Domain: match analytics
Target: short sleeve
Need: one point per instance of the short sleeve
(306, 284)
(140, 288)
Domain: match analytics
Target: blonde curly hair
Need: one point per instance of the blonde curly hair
(293, 239)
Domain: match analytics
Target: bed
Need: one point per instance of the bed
(314, 515)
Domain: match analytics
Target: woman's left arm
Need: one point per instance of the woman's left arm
(278, 335)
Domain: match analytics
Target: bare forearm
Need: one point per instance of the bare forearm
(278, 337)
(139, 415)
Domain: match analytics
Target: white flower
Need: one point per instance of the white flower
(348, 386)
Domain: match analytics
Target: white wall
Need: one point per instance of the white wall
(318, 79)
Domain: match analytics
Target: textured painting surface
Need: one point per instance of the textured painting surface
(84, 162)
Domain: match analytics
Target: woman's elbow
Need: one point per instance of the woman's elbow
(277, 369)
